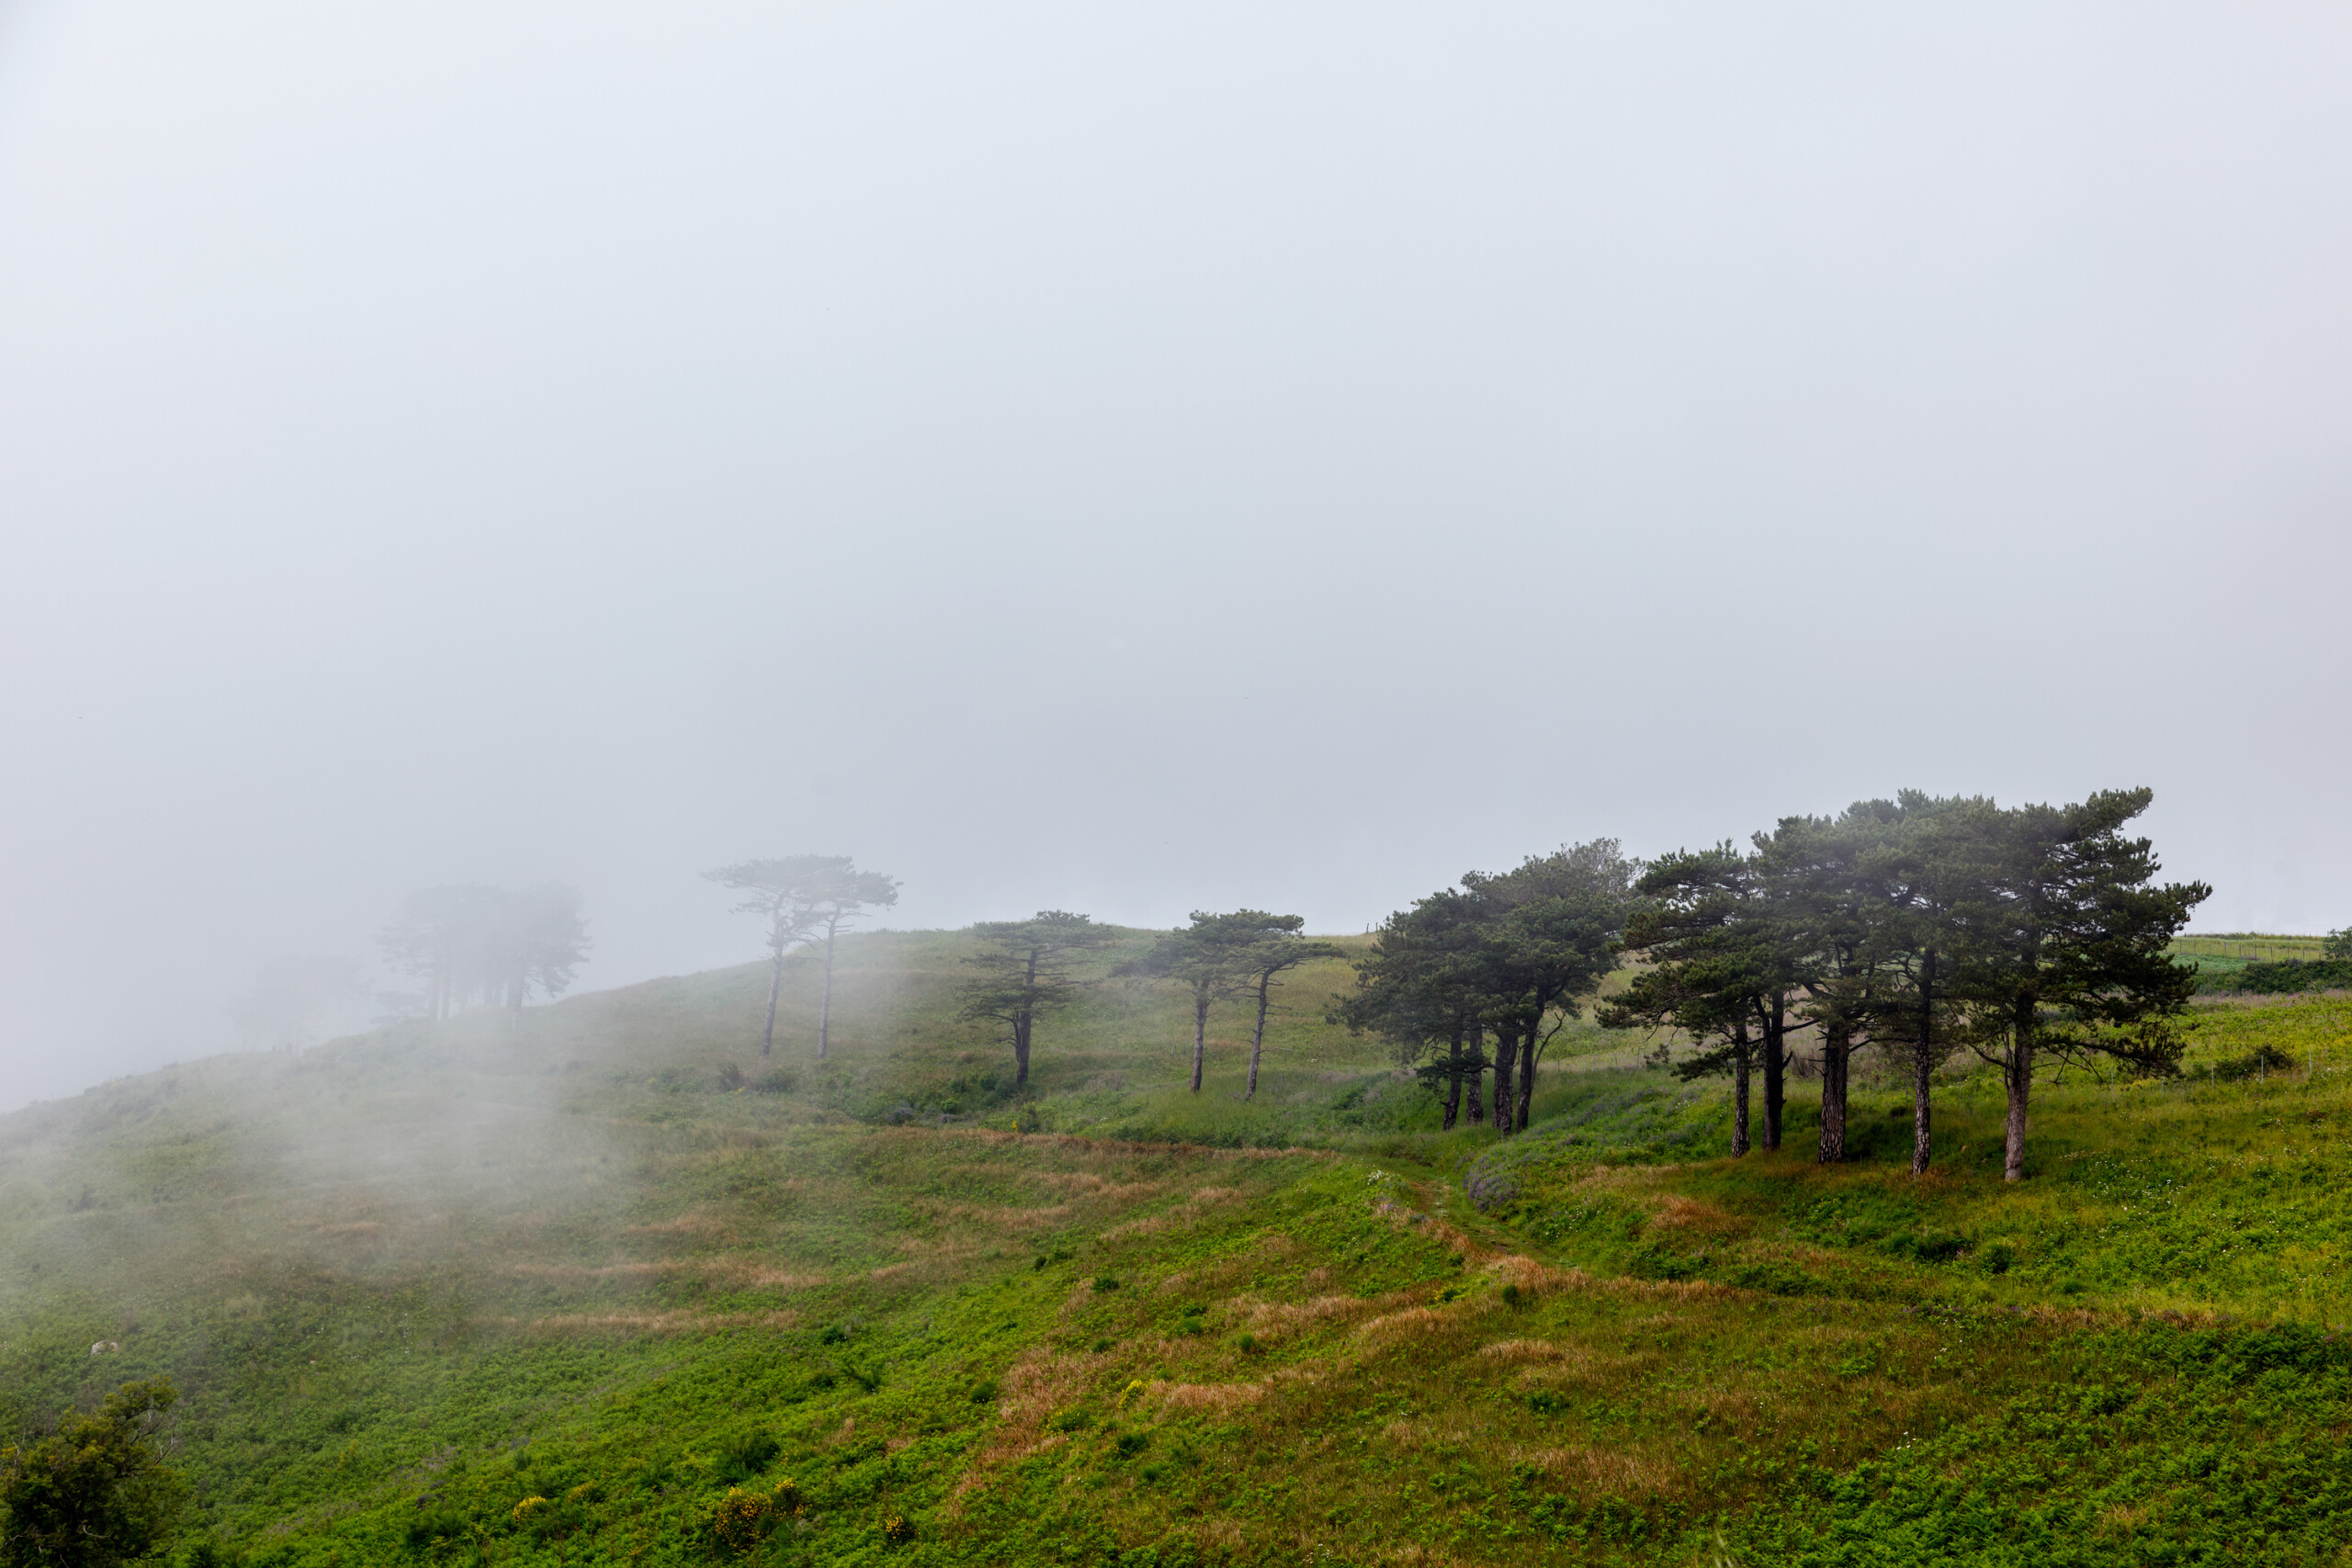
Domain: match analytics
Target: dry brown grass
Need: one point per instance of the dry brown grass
(1534, 1278)
(1035, 1386)
(1676, 1212)
(656, 1322)
(1278, 1318)
(570, 1274)
(1422, 1321)
(1216, 1397)
(936, 1264)
(728, 1271)
(1531, 1350)
(1620, 1471)
(1185, 1215)
(695, 1223)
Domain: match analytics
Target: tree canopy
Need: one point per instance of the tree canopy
(804, 898)
(1917, 926)
(94, 1491)
(1024, 970)
(1511, 953)
(1206, 958)
(470, 943)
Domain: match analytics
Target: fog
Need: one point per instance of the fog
(1132, 459)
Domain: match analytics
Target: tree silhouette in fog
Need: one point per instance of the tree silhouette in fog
(1023, 971)
(803, 898)
(470, 943)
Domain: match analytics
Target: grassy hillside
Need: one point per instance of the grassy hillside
(2224, 960)
(592, 1286)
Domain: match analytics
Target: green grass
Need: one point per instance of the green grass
(411, 1281)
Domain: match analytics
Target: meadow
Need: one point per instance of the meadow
(595, 1284)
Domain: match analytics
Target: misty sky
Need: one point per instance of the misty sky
(1131, 459)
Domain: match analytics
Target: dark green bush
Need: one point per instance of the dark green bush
(746, 1454)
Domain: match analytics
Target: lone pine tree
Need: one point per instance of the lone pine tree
(1024, 970)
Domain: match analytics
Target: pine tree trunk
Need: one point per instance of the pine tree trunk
(1454, 1082)
(1526, 1079)
(1477, 1077)
(1024, 1017)
(2020, 1078)
(1922, 1064)
(1257, 1036)
(825, 997)
(1200, 1031)
(775, 984)
(1776, 1070)
(1836, 1044)
(1739, 1053)
(1505, 1053)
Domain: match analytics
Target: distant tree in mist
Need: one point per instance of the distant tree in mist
(277, 1006)
(841, 899)
(1205, 959)
(802, 898)
(430, 936)
(1273, 946)
(94, 1491)
(1023, 971)
(533, 937)
(470, 943)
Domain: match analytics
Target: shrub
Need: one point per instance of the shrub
(1927, 1246)
(2285, 976)
(1106, 1282)
(2262, 1059)
(739, 1521)
(1776, 1279)
(423, 1531)
(731, 1078)
(897, 1530)
(746, 1454)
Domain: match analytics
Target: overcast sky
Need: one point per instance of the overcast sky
(1131, 459)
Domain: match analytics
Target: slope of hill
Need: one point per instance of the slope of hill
(593, 1284)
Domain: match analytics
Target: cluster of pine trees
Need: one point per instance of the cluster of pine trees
(1503, 959)
(1917, 927)
(469, 944)
(1920, 927)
